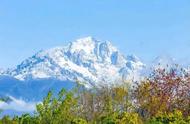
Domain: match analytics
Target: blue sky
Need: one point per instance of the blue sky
(146, 28)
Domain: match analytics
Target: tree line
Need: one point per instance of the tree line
(161, 98)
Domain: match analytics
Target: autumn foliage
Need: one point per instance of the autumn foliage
(164, 92)
(161, 98)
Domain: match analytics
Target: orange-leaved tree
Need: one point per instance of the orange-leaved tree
(164, 91)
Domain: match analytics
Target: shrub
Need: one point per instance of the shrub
(129, 118)
(172, 118)
(79, 121)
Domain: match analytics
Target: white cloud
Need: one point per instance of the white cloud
(18, 105)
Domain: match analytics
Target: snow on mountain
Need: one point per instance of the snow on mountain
(87, 60)
(163, 62)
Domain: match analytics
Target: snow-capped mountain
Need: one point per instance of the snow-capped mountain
(86, 60)
(164, 62)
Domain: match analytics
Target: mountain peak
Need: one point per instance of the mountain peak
(87, 39)
(133, 58)
(163, 61)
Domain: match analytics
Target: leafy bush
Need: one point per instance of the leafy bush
(79, 121)
(122, 118)
(172, 118)
(129, 118)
